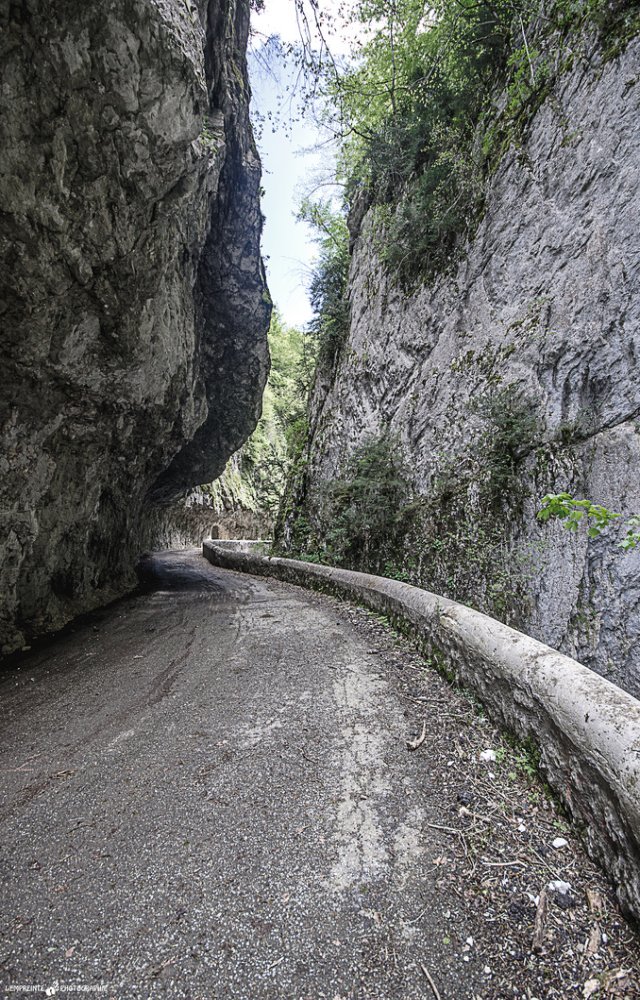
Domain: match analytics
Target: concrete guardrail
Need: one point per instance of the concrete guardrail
(587, 729)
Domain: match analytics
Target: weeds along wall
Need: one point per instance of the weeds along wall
(456, 399)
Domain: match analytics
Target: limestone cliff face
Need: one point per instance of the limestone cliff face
(537, 336)
(133, 309)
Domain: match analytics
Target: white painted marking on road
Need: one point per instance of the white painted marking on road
(124, 735)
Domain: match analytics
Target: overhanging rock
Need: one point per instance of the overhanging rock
(133, 304)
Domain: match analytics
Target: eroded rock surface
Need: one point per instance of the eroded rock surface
(547, 301)
(134, 309)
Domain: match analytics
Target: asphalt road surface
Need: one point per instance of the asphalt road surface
(207, 793)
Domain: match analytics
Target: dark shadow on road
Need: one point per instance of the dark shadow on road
(166, 572)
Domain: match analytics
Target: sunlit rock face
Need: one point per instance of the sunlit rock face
(547, 301)
(133, 308)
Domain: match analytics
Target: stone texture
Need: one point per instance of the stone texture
(133, 308)
(547, 300)
(587, 729)
(189, 521)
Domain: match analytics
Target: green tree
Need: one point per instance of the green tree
(428, 104)
(258, 475)
(328, 287)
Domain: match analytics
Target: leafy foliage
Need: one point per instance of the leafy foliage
(421, 113)
(412, 107)
(512, 423)
(328, 288)
(455, 540)
(364, 510)
(264, 461)
(432, 98)
(574, 513)
(461, 531)
(358, 519)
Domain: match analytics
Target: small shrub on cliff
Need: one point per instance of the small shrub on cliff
(359, 519)
(364, 511)
(512, 424)
(462, 529)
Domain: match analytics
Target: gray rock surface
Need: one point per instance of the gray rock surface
(191, 520)
(133, 308)
(547, 301)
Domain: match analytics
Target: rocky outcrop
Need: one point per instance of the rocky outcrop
(134, 308)
(517, 375)
(223, 509)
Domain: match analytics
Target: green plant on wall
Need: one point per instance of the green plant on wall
(462, 527)
(365, 509)
(437, 95)
(574, 513)
(512, 426)
(358, 519)
(455, 538)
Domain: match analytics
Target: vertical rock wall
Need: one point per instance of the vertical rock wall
(536, 335)
(133, 306)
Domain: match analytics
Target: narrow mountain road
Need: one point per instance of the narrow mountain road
(207, 793)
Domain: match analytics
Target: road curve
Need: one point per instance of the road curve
(207, 794)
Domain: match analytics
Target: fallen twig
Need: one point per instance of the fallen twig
(539, 925)
(447, 829)
(431, 982)
(414, 744)
(554, 871)
(504, 864)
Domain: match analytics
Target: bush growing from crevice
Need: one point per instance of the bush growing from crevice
(359, 519)
(457, 539)
(364, 511)
(463, 528)
(513, 426)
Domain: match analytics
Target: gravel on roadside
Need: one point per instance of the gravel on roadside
(545, 921)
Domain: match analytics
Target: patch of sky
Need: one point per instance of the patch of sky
(298, 155)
